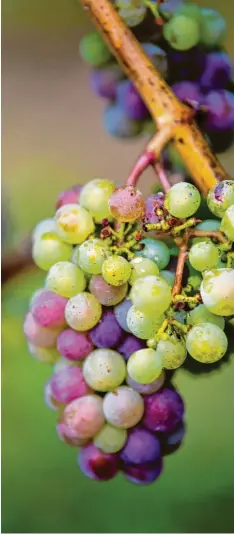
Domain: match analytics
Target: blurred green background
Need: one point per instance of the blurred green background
(52, 138)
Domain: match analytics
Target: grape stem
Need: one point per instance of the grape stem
(177, 287)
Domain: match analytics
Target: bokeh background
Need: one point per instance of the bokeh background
(53, 138)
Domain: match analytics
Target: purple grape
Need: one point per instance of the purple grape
(217, 73)
(130, 101)
(74, 345)
(188, 92)
(121, 311)
(186, 65)
(104, 81)
(107, 333)
(141, 447)
(147, 389)
(172, 441)
(96, 464)
(152, 203)
(48, 309)
(163, 411)
(143, 474)
(69, 196)
(129, 345)
(157, 56)
(117, 123)
(68, 384)
(220, 110)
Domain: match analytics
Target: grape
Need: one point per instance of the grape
(142, 267)
(121, 311)
(74, 345)
(126, 204)
(147, 389)
(151, 295)
(180, 315)
(107, 333)
(182, 32)
(143, 325)
(155, 250)
(133, 17)
(110, 439)
(43, 354)
(167, 9)
(94, 50)
(206, 343)
(104, 369)
(190, 9)
(182, 200)
(66, 279)
(217, 291)
(143, 474)
(163, 411)
(208, 224)
(68, 384)
(221, 197)
(157, 56)
(168, 277)
(116, 270)
(141, 447)
(94, 197)
(96, 464)
(83, 312)
(227, 224)
(49, 309)
(92, 254)
(38, 335)
(129, 345)
(172, 352)
(69, 196)
(74, 223)
(84, 417)
(117, 124)
(172, 441)
(218, 71)
(130, 101)
(63, 363)
(73, 442)
(188, 91)
(201, 314)
(49, 249)
(145, 365)
(186, 65)
(204, 255)
(220, 110)
(123, 407)
(47, 226)
(154, 202)
(49, 399)
(213, 28)
(105, 293)
(35, 296)
(104, 81)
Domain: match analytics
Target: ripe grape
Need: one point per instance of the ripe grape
(227, 224)
(152, 203)
(201, 314)
(183, 200)
(68, 384)
(151, 295)
(188, 91)
(218, 71)
(145, 366)
(49, 249)
(217, 291)
(62, 432)
(104, 81)
(168, 277)
(66, 279)
(38, 335)
(47, 226)
(44, 354)
(83, 312)
(163, 411)
(142, 267)
(110, 439)
(213, 28)
(172, 441)
(182, 32)
(221, 197)
(156, 251)
(143, 325)
(143, 474)
(94, 50)
(92, 254)
(130, 101)
(63, 363)
(51, 402)
(74, 345)
(116, 270)
(157, 56)
(123, 407)
(129, 345)
(141, 447)
(147, 389)
(107, 333)
(96, 464)
(107, 294)
(204, 255)
(116, 123)
(186, 65)
(206, 343)
(74, 223)
(69, 196)
(49, 309)
(220, 111)
(104, 369)
(172, 352)
(126, 204)
(121, 311)
(94, 198)
(84, 417)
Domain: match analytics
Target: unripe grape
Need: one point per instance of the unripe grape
(94, 198)
(74, 223)
(94, 50)
(143, 325)
(151, 295)
(92, 254)
(145, 366)
(110, 439)
(155, 250)
(204, 255)
(142, 267)
(206, 343)
(172, 351)
(221, 197)
(182, 200)
(217, 291)
(116, 270)
(83, 312)
(201, 314)
(227, 224)
(66, 279)
(104, 369)
(147, 389)
(49, 249)
(182, 32)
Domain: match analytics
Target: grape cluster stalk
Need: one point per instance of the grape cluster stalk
(134, 288)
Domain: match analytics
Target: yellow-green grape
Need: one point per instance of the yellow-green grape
(94, 197)
(74, 223)
(182, 200)
(142, 267)
(104, 369)
(172, 351)
(217, 291)
(142, 325)
(206, 343)
(151, 295)
(91, 256)
(168, 277)
(201, 314)
(83, 312)
(227, 224)
(66, 279)
(204, 255)
(50, 249)
(44, 354)
(145, 365)
(110, 439)
(221, 197)
(46, 226)
(116, 270)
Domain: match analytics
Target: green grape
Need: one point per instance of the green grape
(83, 312)
(94, 50)
(201, 314)
(142, 267)
(46, 226)
(212, 28)
(221, 197)
(204, 255)
(182, 32)
(44, 354)
(110, 439)
(74, 223)
(227, 223)
(155, 250)
(142, 325)
(182, 200)
(195, 281)
(116, 270)
(206, 343)
(104, 369)
(190, 9)
(144, 366)
(151, 294)
(168, 277)
(133, 17)
(217, 291)
(94, 197)
(50, 249)
(66, 279)
(210, 225)
(91, 256)
(172, 351)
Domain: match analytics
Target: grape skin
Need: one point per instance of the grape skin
(84, 417)
(121, 311)
(116, 270)
(47, 226)
(182, 32)
(142, 267)
(155, 250)
(126, 204)
(143, 326)
(110, 439)
(96, 464)
(141, 447)
(68, 384)
(147, 389)
(145, 365)
(94, 50)
(201, 314)
(172, 352)
(182, 200)
(227, 224)
(83, 312)
(66, 279)
(105, 293)
(91, 256)
(217, 291)
(94, 198)
(49, 249)
(104, 369)
(123, 407)
(204, 255)
(206, 343)
(74, 223)
(151, 295)
(221, 197)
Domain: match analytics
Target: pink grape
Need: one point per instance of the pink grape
(62, 434)
(84, 417)
(48, 309)
(74, 345)
(68, 384)
(126, 204)
(69, 196)
(105, 293)
(39, 335)
(49, 399)
(141, 447)
(96, 464)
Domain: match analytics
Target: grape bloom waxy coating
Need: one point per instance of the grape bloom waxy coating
(145, 366)
(73, 223)
(123, 407)
(182, 200)
(206, 343)
(151, 295)
(104, 369)
(83, 312)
